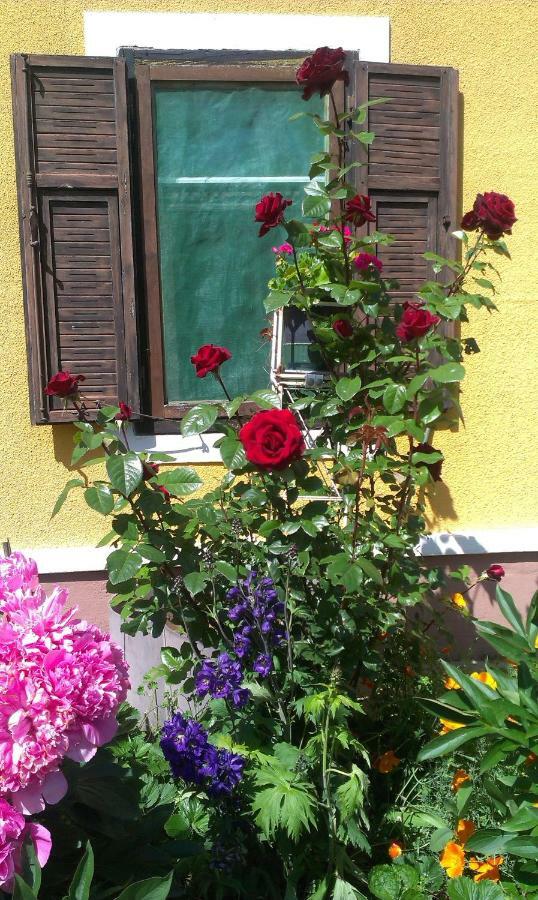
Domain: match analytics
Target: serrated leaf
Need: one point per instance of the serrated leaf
(125, 472)
(180, 482)
(286, 804)
(370, 569)
(195, 582)
(232, 453)
(276, 300)
(394, 398)
(100, 498)
(227, 570)
(346, 388)
(123, 565)
(447, 373)
(465, 889)
(316, 207)
(199, 419)
(266, 399)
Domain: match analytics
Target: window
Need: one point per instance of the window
(95, 182)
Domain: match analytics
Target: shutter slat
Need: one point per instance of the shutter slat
(79, 275)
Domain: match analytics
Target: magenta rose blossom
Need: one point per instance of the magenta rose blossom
(359, 211)
(319, 72)
(209, 358)
(284, 249)
(270, 211)
(64, 385)
(415, 322)
(343, 328)
(125, 412)
(495, 571)
(493, 213)
(272, 439)
(365, 262)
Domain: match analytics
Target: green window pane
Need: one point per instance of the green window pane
(218, 149)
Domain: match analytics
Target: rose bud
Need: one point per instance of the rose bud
(343, 328)
(366, 262)
(358, 210)
(162, 490)
(149, 470)
(270, 211)
(319, 72)
(495, 571)
(125, 412)
(415, 322)
(64, 385)
(209, 358)
(272, 439)
(495, 214)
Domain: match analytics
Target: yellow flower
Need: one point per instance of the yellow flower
(485, 678)
(451, 684)
(464, 830)
(459, 601)
(459, 779)
(536, 642)
(387, 762)
(395, 850)
(486, 869)
(449, 726)
(452, 859)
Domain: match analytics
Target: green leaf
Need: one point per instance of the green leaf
(343, 890)
(21, 890)
(266, 399)
(350, 794)
(62, 496)
(195, 582)
(446, 743)
(125, 472)
(276, 300)
(79, 889)
(100, 498)
(416, 383)
(30, 869)
(346, 388)
(370, 569)
(316, 206)
(123, 565)
(180, 482)
(488, 841)
(286, 804)
(388, 882)
(510, 612)
(465, 889)
(232, 453)
(525, 819)
(394, 398)
(199, 419)
(447, 373)
(150, 889)
(524, 845)
(226, 569)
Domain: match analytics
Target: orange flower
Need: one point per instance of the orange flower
(449, 726)
(464, 830)
(387, 762)
(459, 779)
(395, 850)
(485, 678)
(451, 684)
(459, 601)
(452, 859)
(486, 869)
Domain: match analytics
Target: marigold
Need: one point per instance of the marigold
(464, 830)
(452, 859)
(395, 850)
(459, 601)
(459, 779)
(387, 762)
(485, 678)
(451, 684)
(449, 726)
(486, 869)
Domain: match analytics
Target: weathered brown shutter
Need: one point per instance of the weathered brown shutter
(72, 153)
(411, 169)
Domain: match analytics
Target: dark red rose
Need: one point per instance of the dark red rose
(470, 221)
(415, 322)
(63, 384)
(343, 328)
(365, 261)
(434, 468)
(149, 470)
(272, 439)
(495, 571)
(162, 490)
(495, 214)
(358, 210)
(209, 358)
(270, 211)
(125, 412)
(319, 72)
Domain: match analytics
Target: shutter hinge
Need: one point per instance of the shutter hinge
(446, 222)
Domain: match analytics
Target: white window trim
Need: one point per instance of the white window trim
(68, 560)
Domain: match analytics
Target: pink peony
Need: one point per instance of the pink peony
(14, 831)
(17, 574)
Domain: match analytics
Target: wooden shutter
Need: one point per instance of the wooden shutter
(411, 169)
(73, 173)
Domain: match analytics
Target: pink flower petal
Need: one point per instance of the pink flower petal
(54, 787)
(42, 841)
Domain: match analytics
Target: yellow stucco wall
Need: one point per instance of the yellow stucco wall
(491, 472)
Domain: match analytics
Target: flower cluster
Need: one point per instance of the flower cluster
(186, 748)
(222, 679)
(61, 682)
(453, 861)
(257, 616)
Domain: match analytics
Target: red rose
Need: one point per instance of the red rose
(343, 328)
(272, 439)
(358, 210)
(364, 261)
(209, 358)
(125, 412)
(149, 470)
(63, 384)
(495, 571)
(434, 468)
(493, 213)
(270, 211)
(415, 322)
(320, 71)
(162, 490)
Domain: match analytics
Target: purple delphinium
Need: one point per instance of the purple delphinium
(263, 665)
(186, 748)
(256, 611)
(222, 679)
